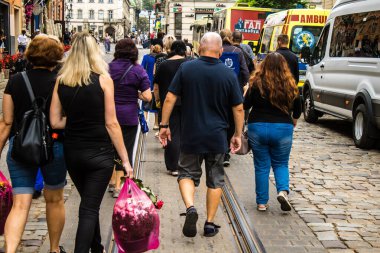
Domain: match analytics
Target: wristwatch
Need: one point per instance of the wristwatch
(163, 126)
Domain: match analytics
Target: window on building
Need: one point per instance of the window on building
(110, 14)
(100, 31)
(80, 29)
(71, 13)
(110, 1)
(80, 1)
(101, 1)
(91, 1)
(100, 14)
(91, 14)
(178, 25)
(80, 14)
(356, 35)
(70, 1)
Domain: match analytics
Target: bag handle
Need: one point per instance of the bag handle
(28, 86)
(126, 72)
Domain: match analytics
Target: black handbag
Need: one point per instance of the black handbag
(33, 143)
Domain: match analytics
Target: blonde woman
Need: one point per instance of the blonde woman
(84, 92)
(160, 58)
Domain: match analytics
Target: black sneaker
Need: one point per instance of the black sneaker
(61, 250)
(190, 226)
(210, 229)
(37, 194)
(226, 162)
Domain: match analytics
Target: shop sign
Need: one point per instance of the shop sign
(204, 10)
(177, 9)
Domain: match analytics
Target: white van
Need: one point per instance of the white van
(343, 77)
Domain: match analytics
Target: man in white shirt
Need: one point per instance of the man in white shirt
(22, 41)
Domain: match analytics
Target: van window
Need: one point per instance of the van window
(304, 36)
(266, 39)
(356, 35)
(276, 33)
(320, 48)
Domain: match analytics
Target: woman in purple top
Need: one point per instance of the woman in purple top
(131, 83)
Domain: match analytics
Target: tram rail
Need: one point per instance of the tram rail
(246, 238)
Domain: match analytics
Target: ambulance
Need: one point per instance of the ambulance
(248, 20)
(303, 26)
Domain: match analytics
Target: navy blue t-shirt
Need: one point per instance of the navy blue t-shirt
(208, 90)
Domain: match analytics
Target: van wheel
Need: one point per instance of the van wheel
(309, 113)
(360, 128)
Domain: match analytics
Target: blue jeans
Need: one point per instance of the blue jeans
(271, 144)
(23, 176)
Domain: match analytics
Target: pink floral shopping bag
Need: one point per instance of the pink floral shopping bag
(5, 201)
(135, 220)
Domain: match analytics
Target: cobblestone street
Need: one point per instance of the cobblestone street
(336, 186)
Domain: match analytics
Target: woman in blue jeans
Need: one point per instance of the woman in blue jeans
(274, 98)
(44, 53)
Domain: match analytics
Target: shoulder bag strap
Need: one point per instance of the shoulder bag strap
(126, 72)
(28, 86)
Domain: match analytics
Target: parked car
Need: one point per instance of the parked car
(343, 77)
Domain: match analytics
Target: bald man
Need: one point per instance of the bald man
(208, 91)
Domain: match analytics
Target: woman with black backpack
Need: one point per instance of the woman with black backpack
(44, 53)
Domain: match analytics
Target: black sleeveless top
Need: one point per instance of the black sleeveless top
(84, 109)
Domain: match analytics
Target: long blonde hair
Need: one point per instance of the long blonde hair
(85, 57)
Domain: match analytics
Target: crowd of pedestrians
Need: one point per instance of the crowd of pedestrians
(92, 109)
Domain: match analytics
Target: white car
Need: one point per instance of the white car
(343, 77)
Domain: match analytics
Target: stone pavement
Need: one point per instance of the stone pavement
(336, 186)
(279, 231)
(166, 187)
(335, 190)
(2, 87)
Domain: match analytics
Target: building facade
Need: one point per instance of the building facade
(101, 17)
(178, 16)
(328, 4)
(11, 23)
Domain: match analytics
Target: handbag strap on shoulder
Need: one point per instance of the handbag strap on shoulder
(28, 86)
(126, 72)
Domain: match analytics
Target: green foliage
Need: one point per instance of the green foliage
(278, 4)
(147, 4)
(143, 24)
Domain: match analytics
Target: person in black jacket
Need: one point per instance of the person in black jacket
(290, 57)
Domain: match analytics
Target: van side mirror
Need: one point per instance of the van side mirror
(306, 55)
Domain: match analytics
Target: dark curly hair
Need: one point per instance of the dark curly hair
(126, 49)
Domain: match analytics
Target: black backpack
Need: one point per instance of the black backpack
(248, 60)
(33, 143)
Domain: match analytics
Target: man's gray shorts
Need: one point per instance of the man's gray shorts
(190, 167)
